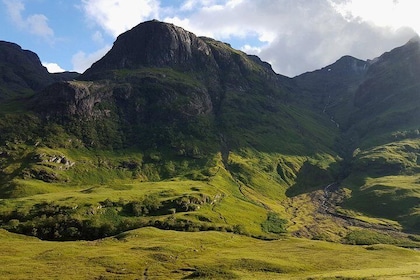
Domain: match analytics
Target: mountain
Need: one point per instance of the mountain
(332, 88)
(355, 92)
(181, 132)
(194, 90)
(387, 100)
(65, 76)
(375, 104)
(155, 44)
(22, 71)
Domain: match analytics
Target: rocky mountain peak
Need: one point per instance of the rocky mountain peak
(154, 44)
(349, 64)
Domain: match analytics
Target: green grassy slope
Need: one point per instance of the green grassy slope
(384, 182)
(46, 191)
(155, 254)
(384, 164)
(376, 106)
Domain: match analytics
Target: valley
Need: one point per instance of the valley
(195, 255)
(179, 157)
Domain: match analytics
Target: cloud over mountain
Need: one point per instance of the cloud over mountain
(36, 24)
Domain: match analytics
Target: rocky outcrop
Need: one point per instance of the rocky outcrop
(154, 44)
(61, 161)
(73, 99)
(162, 84)
(94, 100)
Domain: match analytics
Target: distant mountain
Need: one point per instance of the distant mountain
(65, 76)
(22, 72)
(332, 88)
(361, 94)
(388, 100)
(376, 104)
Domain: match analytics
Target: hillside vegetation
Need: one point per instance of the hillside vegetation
(156, 254)
(188, 135)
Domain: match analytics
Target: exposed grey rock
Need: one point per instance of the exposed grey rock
(73, 99)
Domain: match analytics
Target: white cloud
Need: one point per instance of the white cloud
(295, 35)
(14, 9)
(53, 67)
(386, 13)
(188, 5)
(97, 37)
(251, 50)
(36, 24)
(118, 16)
(82, 61)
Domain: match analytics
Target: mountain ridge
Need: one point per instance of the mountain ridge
(22, 72)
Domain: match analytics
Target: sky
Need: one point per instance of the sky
(294, 36)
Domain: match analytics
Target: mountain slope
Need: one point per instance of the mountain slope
(388, 99)
(177, 79)
(182, 132)
(332, 88)
(375, 104)
(183, 108)
(386, 123)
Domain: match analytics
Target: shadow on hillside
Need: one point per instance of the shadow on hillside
(312, 177)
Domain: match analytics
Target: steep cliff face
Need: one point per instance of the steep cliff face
(388, 74)
(21, 71)
(74, 99)
(147, 96)
(156, 44)
(163, 81)
(331, 90)
(388, 98)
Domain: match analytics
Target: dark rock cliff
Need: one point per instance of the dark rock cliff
(21, 71)
(156, 44)
(73, 99)
(160, 81)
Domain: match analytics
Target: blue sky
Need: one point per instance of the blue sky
(295, 36)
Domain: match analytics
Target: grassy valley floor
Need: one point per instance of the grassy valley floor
(150, 253)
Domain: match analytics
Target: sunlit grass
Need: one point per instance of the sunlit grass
(175, 255)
